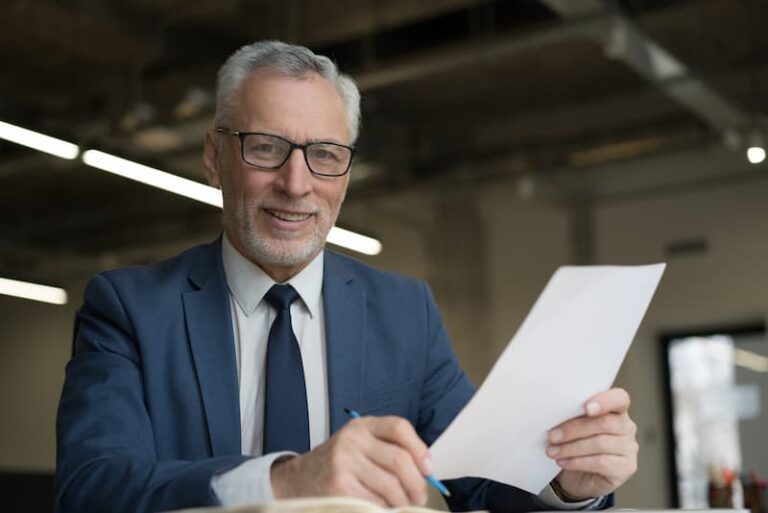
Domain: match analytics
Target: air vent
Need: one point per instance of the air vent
(686, 248)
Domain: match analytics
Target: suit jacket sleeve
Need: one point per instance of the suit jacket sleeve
(106, 451)
(445, 392)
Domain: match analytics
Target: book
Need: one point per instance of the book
(670, 510)
(315, 505)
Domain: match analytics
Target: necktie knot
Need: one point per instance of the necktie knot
(281, 297)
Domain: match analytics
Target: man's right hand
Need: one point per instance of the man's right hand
(381, 459)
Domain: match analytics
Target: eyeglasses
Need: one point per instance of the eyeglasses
(272, 151)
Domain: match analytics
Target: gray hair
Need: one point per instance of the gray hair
(292, 61)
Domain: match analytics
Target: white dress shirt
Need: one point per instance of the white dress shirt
(252, 319)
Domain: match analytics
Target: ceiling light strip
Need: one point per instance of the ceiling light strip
(154, 177)
(33, 291)
(354, 241)
(750, 360)
(38, 141)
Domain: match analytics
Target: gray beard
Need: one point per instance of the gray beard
(279, 253)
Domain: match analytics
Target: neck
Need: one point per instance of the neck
(282, 274)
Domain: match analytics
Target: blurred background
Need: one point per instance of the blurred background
(501, 139)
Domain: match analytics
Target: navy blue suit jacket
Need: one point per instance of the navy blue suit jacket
(149, 411)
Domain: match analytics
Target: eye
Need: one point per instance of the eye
(264, 148)
(326, 153)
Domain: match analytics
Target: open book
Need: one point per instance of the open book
(314, 505)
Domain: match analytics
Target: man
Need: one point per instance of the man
(221, 376)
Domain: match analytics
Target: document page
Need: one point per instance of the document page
(569, 348)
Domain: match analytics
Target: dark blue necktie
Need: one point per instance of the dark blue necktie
(286, 421)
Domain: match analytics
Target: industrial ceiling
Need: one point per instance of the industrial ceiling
(454, 91)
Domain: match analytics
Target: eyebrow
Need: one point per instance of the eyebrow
(326, 140)
(332, 140)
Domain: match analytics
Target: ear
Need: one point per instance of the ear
(211, 158)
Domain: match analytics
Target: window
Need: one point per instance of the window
(717, 391)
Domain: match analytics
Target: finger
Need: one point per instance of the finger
(594, 445)
(361, 490)
(397, 462)
(400, 432)
(383, 483)
(582, 427)
(380, 439)
(608, 466)
(353, 470)
(615, 400)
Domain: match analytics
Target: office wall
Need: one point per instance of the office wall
(527, 241)
(36, 342)
(727, 284)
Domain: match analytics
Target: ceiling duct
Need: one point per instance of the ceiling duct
(624, 41)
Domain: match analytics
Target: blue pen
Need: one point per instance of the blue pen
(440, 487)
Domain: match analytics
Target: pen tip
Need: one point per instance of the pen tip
(347, 411)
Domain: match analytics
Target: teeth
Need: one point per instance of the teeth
(289, 216)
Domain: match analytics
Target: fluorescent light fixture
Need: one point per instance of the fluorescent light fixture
(755, 154)
(354, 241)
(154, 177)
(38, 141)
(207, 194)
(750, 360)
(33, 291)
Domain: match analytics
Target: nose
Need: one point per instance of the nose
(295, 179)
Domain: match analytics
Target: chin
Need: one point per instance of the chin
(284, 253)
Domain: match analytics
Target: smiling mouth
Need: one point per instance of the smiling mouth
(293, 217)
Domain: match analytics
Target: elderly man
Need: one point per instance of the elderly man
(221, 376)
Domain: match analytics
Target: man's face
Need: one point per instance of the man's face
(279, 218)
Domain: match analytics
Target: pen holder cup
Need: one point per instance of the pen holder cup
(754, 497)
(720, 496)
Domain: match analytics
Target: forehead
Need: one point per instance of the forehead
(298, 108)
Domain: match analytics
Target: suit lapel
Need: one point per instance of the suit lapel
(209, 327)
(344, 307)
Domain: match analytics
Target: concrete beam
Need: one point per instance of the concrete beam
(471, 54)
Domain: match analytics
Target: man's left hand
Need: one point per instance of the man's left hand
(597, 451)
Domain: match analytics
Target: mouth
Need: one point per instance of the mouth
(291, 217)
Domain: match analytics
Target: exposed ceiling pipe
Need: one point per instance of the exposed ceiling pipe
(624, 41)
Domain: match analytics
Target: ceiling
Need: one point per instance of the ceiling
(454, 91)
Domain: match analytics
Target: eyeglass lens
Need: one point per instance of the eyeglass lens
(270, 151)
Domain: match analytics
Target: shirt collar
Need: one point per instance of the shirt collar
(248, 283)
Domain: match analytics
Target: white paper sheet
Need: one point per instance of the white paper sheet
(569, 348)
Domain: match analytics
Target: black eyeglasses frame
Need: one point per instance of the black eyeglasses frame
(293, 146)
